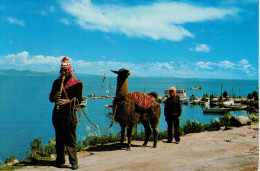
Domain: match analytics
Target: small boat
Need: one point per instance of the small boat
(194, 100)
(83, 102)
(179, 92)
(215, 110)
(185, 100)
(110, 108)
(228, 102)
(204, 101)
(237, 107)
(215, 103)
(196, 88)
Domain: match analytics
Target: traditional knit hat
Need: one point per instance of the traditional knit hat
(65, 63)
(173, 89)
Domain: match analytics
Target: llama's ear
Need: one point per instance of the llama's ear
(114, 71)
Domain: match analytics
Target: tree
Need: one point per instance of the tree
(255, 95)
(211, 96)
(249, 96)
(225, 94)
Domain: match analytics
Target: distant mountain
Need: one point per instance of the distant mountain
(14, 72)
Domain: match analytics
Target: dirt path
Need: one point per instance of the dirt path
(236, 149)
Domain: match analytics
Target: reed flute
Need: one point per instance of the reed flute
(61, 88)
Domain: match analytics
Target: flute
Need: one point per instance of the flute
(61, 88)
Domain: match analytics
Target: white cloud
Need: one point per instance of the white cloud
(65, 21)
(162, 20)
(226, 65)
(15, 21)
(200, 48)
(205, 65)
(242, 65)
(24, 60)
(239, 1)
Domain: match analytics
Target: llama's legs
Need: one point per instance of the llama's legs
(129, 136)
(122, 136)
(155, 134)
(147, 132)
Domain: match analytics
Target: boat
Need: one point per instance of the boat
(196, 88)
(228, 102)
(215, 110)
(195, 100)
(237, 107)
(185, 100)
(109, 107)
(83, 102)
(215, 103)
(204, 101)
(179, 92)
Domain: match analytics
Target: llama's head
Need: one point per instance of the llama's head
(122, 73)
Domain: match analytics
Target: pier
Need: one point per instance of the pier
(99, 97)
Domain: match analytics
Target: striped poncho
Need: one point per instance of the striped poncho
(72, 81)
(143, 100)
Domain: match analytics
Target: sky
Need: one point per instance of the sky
(177, 38)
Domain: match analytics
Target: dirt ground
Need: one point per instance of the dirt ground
(235, 149)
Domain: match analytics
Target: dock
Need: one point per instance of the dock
(99, 97)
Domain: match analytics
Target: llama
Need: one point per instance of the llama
(128, 113)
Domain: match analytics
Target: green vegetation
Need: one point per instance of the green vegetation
(254, 117)
(225, 94)
(37, 152)
(9, 160)
(10, 167)
(254, 95)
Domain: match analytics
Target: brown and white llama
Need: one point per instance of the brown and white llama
(128, 113)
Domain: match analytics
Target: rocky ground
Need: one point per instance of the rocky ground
(235, 149)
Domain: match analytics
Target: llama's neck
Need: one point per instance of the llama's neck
(122, 87)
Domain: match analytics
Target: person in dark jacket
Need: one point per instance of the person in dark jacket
(62, 119)
(172, 112)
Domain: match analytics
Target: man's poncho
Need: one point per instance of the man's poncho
(143, 100)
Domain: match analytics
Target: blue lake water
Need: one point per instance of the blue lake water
(26, 112)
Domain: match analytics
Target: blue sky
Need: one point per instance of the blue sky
(181, 38)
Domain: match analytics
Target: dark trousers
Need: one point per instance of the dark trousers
(65, 133)
(176, 122)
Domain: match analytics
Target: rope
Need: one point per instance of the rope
(112, 122)
(74, 105)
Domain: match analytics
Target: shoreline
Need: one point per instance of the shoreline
(234, 149)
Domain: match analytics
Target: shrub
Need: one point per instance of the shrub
(225, 119)
(138, 136)
(192, 127)
(162, 135)
(255, 95)
(50, 147)
(213, 126)
(103, 139)
(253, 116)
(9, 160)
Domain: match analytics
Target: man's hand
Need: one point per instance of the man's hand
(57, 95)
(63, 101)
